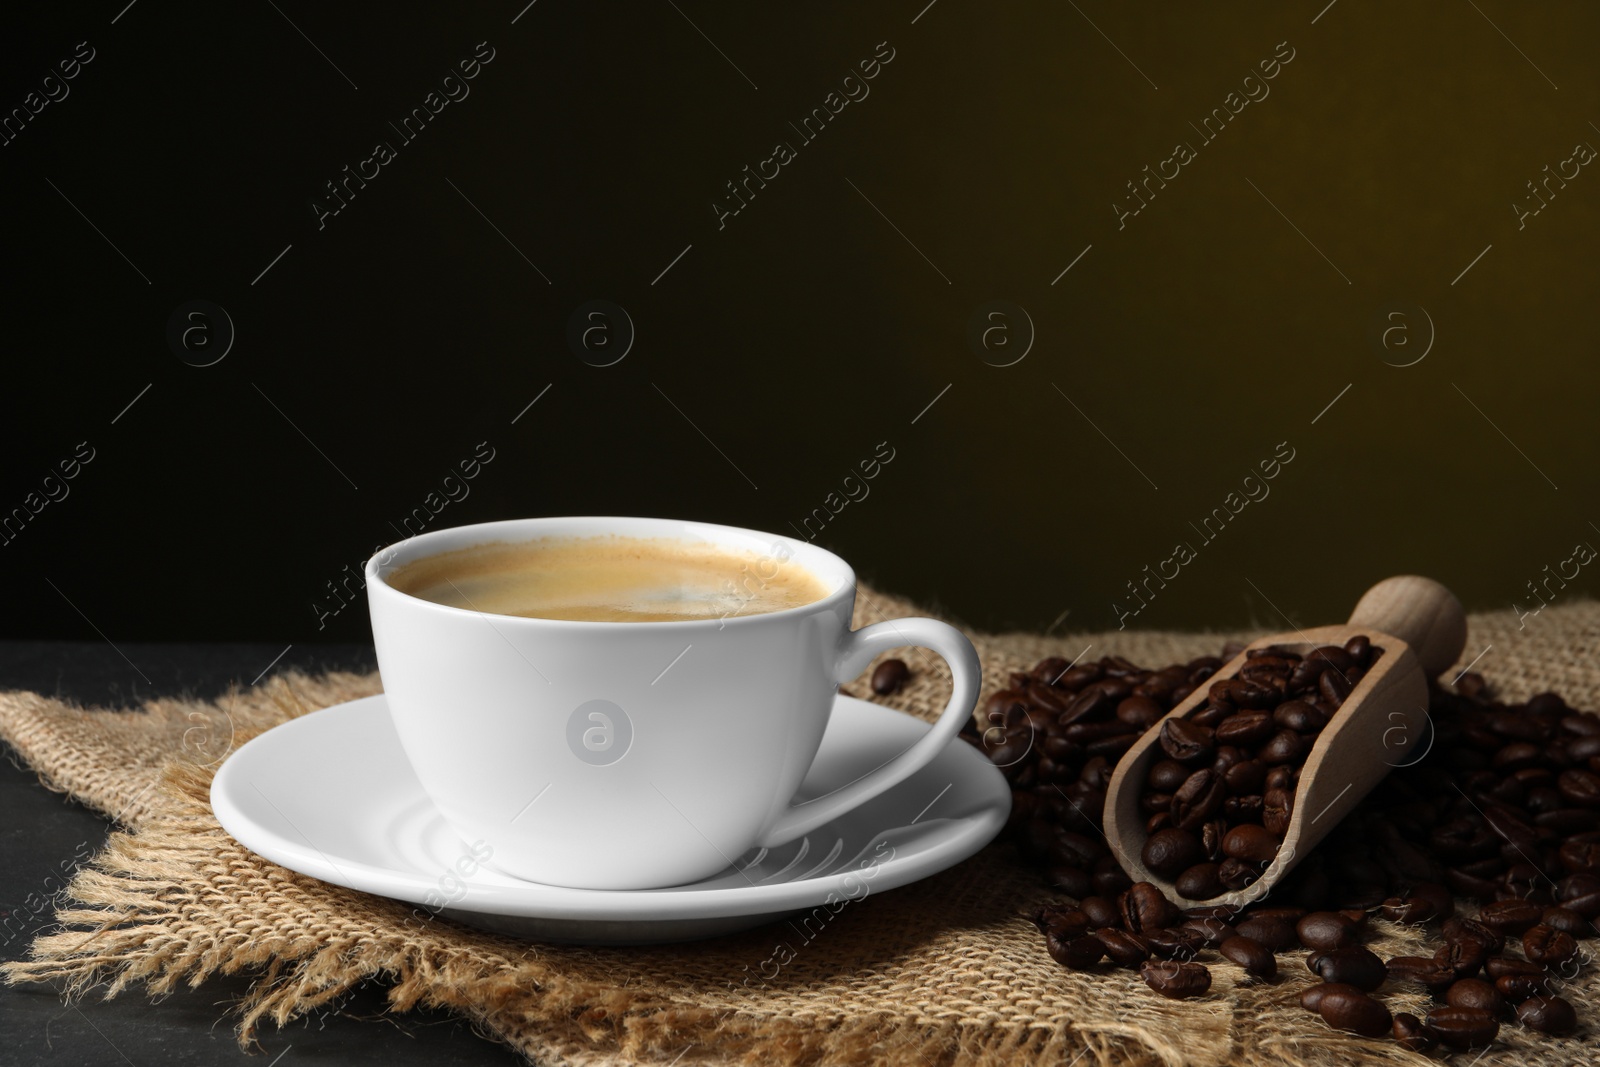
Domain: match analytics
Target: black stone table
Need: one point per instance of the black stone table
(40, 829)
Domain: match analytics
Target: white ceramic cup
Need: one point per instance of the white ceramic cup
(635, 755)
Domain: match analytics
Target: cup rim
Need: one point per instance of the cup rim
(814, 558)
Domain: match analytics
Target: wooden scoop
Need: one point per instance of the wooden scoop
(1421, 628)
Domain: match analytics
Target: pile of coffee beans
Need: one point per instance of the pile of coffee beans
(1220, 797)
(1056, 732)
(1502, 808)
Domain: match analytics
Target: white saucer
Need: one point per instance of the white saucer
(332, 796)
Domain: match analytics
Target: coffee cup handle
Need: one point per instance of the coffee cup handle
(857, 650)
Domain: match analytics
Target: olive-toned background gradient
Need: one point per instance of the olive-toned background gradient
(1379, 174)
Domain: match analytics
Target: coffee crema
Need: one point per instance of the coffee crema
(610, 579)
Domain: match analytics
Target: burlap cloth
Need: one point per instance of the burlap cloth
(945, 971)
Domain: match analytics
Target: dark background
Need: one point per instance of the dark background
(780, 350)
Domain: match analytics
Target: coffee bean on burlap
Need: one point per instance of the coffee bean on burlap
(1412, 1035)
(1074, 952)
(1550, 1015)
(1175, 979)
(1122, 948)
(1548, 946)
(1352, 965)
(1462, 1027)
(1475, 993)
(1325, 930)
(1276, 934)
(1250, 954)
(1422, 970)
(1345, 1007)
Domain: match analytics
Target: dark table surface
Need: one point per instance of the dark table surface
(41, 829)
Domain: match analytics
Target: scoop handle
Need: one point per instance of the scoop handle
(1420, 612)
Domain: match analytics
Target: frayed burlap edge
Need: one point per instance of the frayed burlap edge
(175, 901)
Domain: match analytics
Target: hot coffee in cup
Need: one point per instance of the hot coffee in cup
(610, 578)
(618, 703)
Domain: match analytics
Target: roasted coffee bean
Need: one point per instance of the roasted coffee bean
(1049, 670)
(1346, 1008)
(1276, 934)
(1247, 728)
(1562, 820)
(1580, 787)
(1250, 843)
(1510, 916)
(1214, 931)
(1500, 966)
(1568, 921)
(1073, 881)
(1359, 649)
(1548, 946)
(1198, 799)
(1226, 756)
(1250, 954)
(1311, 998)
(1211, 835)
(1140, 711)
(1277, 807)
(890, 676)
(1581, 856)
(1462, 1027)
(1109, 878)
(1411, 910)
(1155, 803)
(1175, 979)
(1242, 693)
(1285, 746)
(1242, 809)
(1176, 942)
(1436, 896)
(1089, 704)
(1300, 716)
(1199, 882)
(1335, 656)
(1245, 777)
(1351, 965)
(1303, 679)
(1237, 874)
(1581, 893)
(1325, 930)
(1100, 911)
(1144, 909)
(1062, 919)
(1411, 1034)
(1185, 741)
(1122, 948)
(1172, 851)
(1334, 687)
(1076, 953)
(1422, 970)
(1464, 955)
(1088, 733)
(1455, 929)
(1280, 778)
(1519, 987)
(1549, 1015)
(1475, 993)
(1167, 775)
